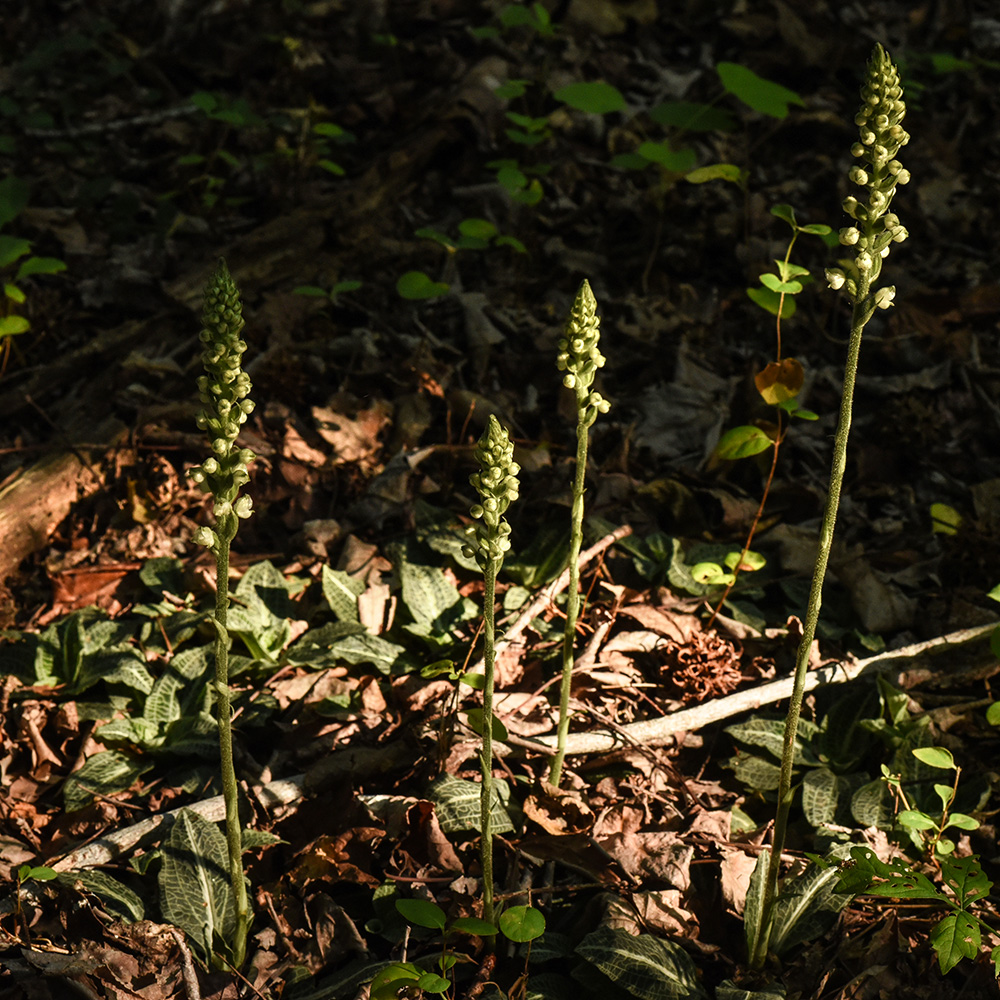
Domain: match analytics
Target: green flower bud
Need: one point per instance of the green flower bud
(497, 486)
(205, 536)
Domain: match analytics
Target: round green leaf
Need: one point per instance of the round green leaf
(10, 325)
(816, 229)
(914, 820)
(762, 95)
(480, 229)
(993, 712)
(597, 98)
(522, 923)
(40, 265)
(416, 285)
(431, 982)
(769, 300)
(935, 757)
(963, 822)
(742, 442)
(717, 172)
(679, 160)
(775, 283)
(422, 912)
(475, 719)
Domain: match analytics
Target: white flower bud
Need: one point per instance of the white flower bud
(204, 536)
(849, 236)
(243, 507)
(858, 175)
(835, 278)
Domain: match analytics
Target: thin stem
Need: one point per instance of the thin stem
(226, 529)
(837, 469)
(573, 590)
(753, 530)
(486, 790)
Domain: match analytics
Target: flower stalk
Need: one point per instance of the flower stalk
(876, 228)
(497, 486)
(580, 357)
(223, 391)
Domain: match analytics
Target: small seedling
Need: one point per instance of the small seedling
(926, 831)
(332, 294)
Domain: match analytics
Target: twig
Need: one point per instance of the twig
(657, 732)
(187, 966)
(549, 594)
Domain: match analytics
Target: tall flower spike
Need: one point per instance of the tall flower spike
(497, 486)
(882, 135)
(579, 355)
(223, 391)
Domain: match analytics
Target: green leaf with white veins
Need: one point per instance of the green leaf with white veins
(342, 592)
(644, 966)
(806, 907)
(106, 773)
(195, 892)
(456, 803)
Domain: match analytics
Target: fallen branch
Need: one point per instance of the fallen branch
(548, 594)
(953, 648)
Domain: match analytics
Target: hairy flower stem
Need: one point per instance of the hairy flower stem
(580, 357)
(785, 796)
(496, 483)
(881, 136)
(226, 530)
(486, 790)
(572, 596)
(223, 391)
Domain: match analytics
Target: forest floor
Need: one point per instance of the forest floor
(377, 151)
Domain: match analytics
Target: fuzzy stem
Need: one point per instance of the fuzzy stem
(226, 530)
(486, 790)
(573, 589)
(837, 468)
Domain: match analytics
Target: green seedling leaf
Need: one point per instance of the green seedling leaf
(993, 712)
(474, 717)
(422, 912)
(479, 229)
(751, 561)
(769, 301)
(522, 923)
(912, 819)
(312, 291)
(718, 172)
(39, 873)
(962, 821)
(762, 95)
(511, 241)
(786, 213)
(780, 381)
(773, 282)
(597, 97)
(788, 270)
(14, 293)
(935, 757)
(742, 442)
(427, 233)
(343, 287)
(12, 248)
(512, 89)
(331, 131)
(13, 198)
(331, 167)
(711, 574)
(816, 229)
(387, 984)
(945, 520)
(678, 160)
(692, 117)
(10, 326)
(39, 265)
(629, 161)
(416, 285)
(473, 925)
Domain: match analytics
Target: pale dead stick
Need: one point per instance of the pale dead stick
(658, 732)
(543, 599)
